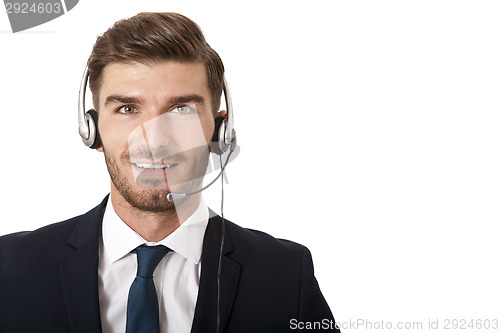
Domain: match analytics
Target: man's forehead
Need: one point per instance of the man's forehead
(169, 77)
(195, 71)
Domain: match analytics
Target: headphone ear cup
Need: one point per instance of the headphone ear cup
(92, 121)
(217, 144)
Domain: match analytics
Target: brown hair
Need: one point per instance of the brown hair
(152, 37)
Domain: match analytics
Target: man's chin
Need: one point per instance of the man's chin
(151, 184)
(151, 200)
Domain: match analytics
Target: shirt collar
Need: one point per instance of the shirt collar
(187, 240)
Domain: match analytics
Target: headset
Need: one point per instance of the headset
(224, 136)
(223, 139)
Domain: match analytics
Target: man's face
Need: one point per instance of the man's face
(155, 122)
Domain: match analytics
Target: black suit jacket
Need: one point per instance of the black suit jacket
(49, 281)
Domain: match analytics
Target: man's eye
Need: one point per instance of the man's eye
(127, 109)
(184, 109)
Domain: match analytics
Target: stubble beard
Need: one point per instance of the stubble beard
(153, 200)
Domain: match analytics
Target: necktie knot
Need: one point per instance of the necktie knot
(148, 257)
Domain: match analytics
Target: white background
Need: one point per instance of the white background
(369, 132)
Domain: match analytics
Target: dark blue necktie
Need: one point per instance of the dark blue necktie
(142, 307)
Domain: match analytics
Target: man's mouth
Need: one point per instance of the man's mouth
(153, 166)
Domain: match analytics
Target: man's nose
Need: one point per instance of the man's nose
(157, 131)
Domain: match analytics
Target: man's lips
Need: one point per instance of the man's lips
(149, 165)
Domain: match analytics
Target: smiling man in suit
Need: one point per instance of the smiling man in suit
(139, 262)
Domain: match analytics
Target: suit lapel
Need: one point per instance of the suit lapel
(205, 316)
(79, 275)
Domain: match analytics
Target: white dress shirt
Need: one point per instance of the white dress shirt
(176, 277)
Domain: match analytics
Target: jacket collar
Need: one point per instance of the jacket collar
(79, 272)
(206, 316)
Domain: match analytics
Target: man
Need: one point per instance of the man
(139, 262)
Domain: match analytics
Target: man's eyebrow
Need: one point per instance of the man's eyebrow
(119, 99)
(184, 99)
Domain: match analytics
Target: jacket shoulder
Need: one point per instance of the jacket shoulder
(39, 238)
(45, 241)
(263, 250)
(261, 242)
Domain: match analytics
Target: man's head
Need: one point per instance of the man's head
(156, 85)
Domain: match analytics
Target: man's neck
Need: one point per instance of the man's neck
(153, 226)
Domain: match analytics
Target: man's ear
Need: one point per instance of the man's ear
(221, 113)
(215, 144)
(99, 149)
